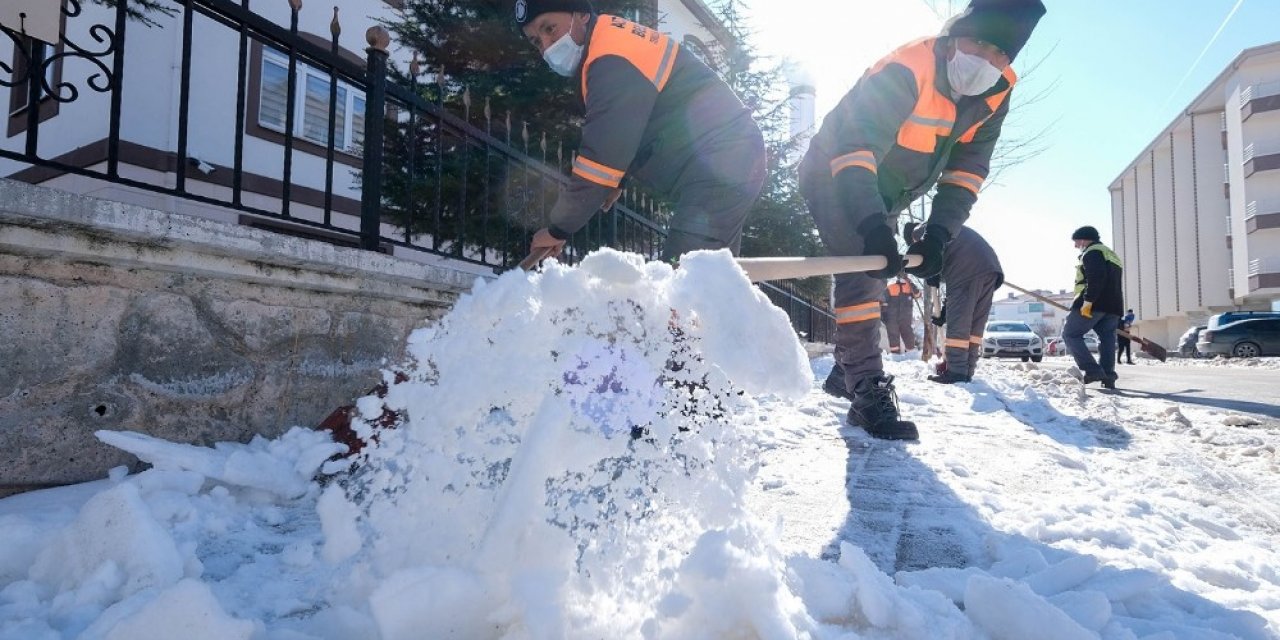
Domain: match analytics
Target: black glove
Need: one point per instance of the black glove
(909, 231)
(931, 249)
(941, 318)
(878, 240)
(935, 281)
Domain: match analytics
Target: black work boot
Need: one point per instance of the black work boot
(949, 377)
(834, 384)
(875, 409)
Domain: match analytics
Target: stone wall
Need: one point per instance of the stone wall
(119, 317)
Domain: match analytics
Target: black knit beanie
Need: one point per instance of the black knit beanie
(527, 10)
(1086, 233)
(1005, 23)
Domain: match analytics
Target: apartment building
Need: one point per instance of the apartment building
(1196, 215)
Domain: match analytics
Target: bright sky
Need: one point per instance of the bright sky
(1119, 70)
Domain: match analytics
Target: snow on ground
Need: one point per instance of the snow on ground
(1241, 363)
(623, 450)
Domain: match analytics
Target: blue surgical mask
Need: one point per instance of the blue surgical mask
(971, 75)
(564, 55)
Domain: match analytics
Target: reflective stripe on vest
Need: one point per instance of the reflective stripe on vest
(934, 114)
(1107, 254)
(899, 289)
(650, 51)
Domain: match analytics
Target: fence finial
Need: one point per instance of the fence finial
(296, 5)
(377, 37)
(335, 27)
(415, 67)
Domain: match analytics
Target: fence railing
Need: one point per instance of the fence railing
(307, 118)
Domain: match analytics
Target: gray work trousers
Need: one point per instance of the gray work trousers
(897, 321)
(855, 296)
(968, 305)
(712, 199)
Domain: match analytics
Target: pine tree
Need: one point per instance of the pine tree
(779, 224)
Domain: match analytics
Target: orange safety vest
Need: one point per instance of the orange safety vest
(900, 289)
(650, 51)
(934, 114)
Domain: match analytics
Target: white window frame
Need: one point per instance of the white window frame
(343, 129)
(50, 75)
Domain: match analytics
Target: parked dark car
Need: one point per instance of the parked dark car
(1187, 343)
(1242, 339)
(1228, 317)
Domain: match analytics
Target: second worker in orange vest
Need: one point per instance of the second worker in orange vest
(928, 113)
(897, 313)
(653, 112)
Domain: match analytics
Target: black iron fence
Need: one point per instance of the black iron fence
(307, 115)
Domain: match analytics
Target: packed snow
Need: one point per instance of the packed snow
(1218, 361)
(625, 450)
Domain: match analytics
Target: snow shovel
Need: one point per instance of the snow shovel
(1150, 348)
(762, 269)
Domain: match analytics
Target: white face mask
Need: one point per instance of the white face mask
(564, 55)
(971, 75)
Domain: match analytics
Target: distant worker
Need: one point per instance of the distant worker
(1097, 307)
(654, 112)
(898, 312)
(972, 273)
(1124, 347)
(929, 113)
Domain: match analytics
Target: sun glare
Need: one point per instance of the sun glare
(834, 41)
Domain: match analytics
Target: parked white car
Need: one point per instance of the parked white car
(1006, 339)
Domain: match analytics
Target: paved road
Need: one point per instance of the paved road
(1246, 389)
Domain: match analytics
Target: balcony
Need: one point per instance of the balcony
(1261, 214)
(1258, 98)
(1261, 156)
(1264, 273)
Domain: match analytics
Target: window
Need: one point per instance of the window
(311, 113)
(1035, 307)
(18, 92)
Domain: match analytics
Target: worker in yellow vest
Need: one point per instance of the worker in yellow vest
(654, 112)
(1098, 307)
